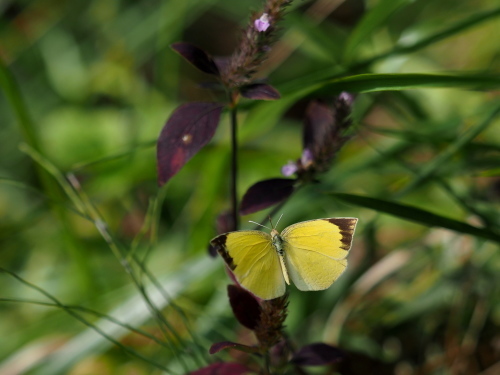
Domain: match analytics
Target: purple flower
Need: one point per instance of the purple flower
(289, 169)
(307, 158)
(262, 24)
(346, 97)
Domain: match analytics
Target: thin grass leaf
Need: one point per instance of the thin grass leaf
(94, 327)
(92, 312)
(457, 28)
(432, 167)
(371, 20)
(113, 157)
(418, 215)
(388, 82)
(134, 311)
(80, 199)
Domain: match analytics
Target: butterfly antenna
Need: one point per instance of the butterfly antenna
(279, 220)
(250, 221)
(269, 217)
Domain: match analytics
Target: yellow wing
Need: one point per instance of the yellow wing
(315, 251)
(254, 262)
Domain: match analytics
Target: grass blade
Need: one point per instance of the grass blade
(370, 22)
(418, 215)
(387, 82)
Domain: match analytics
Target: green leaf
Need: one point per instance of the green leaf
(387, 82)
(456, 28)
(432, 167)
(418, 215)
(370, 22)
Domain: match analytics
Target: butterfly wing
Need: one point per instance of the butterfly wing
(254, 262)
(315, 251)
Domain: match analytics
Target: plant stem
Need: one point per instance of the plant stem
(267, 363)
(234, 166)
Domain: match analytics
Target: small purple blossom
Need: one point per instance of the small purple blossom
(262, 24)
(307, 158)
(289, 169)
(346, 97)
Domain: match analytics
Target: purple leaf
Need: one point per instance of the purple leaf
(190, 127)
(218, 346)
(266, 193)
(224, 224)
(245, 307)
(318, 354)
(317, 126)
(356, 363)
(197, 57)
(260, 91)
(222, 368)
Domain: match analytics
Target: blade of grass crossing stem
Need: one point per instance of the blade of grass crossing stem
(80, 318)
(133, 311)
(154, 221)
(417, 215)
(452, 149)
(169, 332)
(81, 200)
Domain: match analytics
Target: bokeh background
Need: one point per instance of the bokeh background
(86, 87)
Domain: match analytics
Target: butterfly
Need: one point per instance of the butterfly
(310, 253)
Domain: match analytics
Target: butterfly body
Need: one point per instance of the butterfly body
(311, 253)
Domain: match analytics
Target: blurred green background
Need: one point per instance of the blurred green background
(86, 87)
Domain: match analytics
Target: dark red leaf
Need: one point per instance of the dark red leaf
(245, 307)
(260, 91)
(218, 346)
(318, 354)
(190, 127)
(224, 224)
(360, 364)
(317, 126)
(266, 193)
(222, 368)
(197, 57)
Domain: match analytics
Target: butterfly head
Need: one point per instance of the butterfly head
(274, 232)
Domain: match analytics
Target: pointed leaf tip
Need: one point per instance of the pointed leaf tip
(260, 91)
(318, 354)
(266, 193)
(196, 56)
(188, 129)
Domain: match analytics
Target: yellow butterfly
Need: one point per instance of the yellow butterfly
(311, 253)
